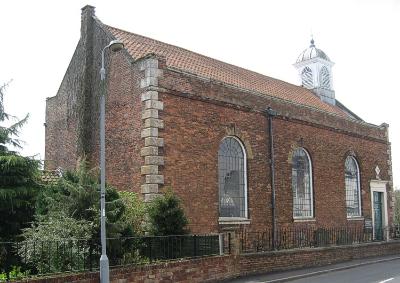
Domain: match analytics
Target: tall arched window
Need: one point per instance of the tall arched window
(307, 78)
(325, 78)
(352, 182)
(232, 178)
(302, 184)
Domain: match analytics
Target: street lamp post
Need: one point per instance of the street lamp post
(114, 45)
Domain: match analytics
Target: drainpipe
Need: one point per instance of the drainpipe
(271, 114)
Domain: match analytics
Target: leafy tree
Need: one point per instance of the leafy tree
(166, 216)
(67, 215)
(18, 191)
(76, 195)
(18, 183)
(135, 211)
(57, 242)
(9, 135)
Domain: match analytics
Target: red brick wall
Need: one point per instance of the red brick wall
(292, 259)
(328, 150)
(122, 117)
(72, 116)
(215, 269)
(193, 131)
(62, 115)
(198, 114)
(123, 125)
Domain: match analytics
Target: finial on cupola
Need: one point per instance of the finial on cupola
(312, 42)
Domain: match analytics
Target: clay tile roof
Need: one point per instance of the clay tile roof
(179, 58)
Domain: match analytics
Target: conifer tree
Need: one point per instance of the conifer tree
(18, 175)
(167, 216)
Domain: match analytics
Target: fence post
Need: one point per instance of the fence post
(221, 243)
(194, 245)
(150, 250)
(229, 243)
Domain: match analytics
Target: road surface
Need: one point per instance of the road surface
(387, 271)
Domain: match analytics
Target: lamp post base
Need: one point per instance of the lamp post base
(104, 269)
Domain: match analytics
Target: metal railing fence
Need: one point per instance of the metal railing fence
(312, 237)
(75, 255)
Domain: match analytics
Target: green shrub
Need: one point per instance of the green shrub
(166, 216)
(135, 211)
(56, 243)
(15, 274)
(66, 230)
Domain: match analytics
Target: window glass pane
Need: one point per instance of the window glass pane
(301, 184)
(352, 184)
(231, 176)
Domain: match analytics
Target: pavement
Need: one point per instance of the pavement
(378, 267)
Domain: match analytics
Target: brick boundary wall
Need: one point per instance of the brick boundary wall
(219, 268)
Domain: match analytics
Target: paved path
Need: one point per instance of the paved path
(376, 270)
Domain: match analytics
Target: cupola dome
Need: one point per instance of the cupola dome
(312, 52)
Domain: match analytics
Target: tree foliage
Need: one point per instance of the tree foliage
(166, 216)
(77, 195)
(135, 211)
(56, 242)
(9, 134)
(18, 184)
(68, 214)
(18, 177)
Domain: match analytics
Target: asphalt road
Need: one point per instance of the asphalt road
(380, 272)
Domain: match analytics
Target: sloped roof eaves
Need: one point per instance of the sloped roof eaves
(350, 113)
(179, 58)
(263, 95)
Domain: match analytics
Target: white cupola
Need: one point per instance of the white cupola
(315, 72)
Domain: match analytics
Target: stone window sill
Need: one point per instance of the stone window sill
(233, 220)
(356, 218)
(304, 220)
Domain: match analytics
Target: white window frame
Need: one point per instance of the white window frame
(358, 189)
(311, 189)
(236, 220)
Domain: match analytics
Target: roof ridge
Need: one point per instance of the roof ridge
(208, 57)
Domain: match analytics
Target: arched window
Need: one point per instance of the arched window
(352, 181)
(307, 78)
(232, 178)
(302, 184)
(324, 78)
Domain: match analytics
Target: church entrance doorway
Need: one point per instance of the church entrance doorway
(379, 210)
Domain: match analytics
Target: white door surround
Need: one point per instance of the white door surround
(380, 186)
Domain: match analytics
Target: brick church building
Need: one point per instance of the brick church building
(239, 148)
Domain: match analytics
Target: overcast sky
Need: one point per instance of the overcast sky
(361, 37)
